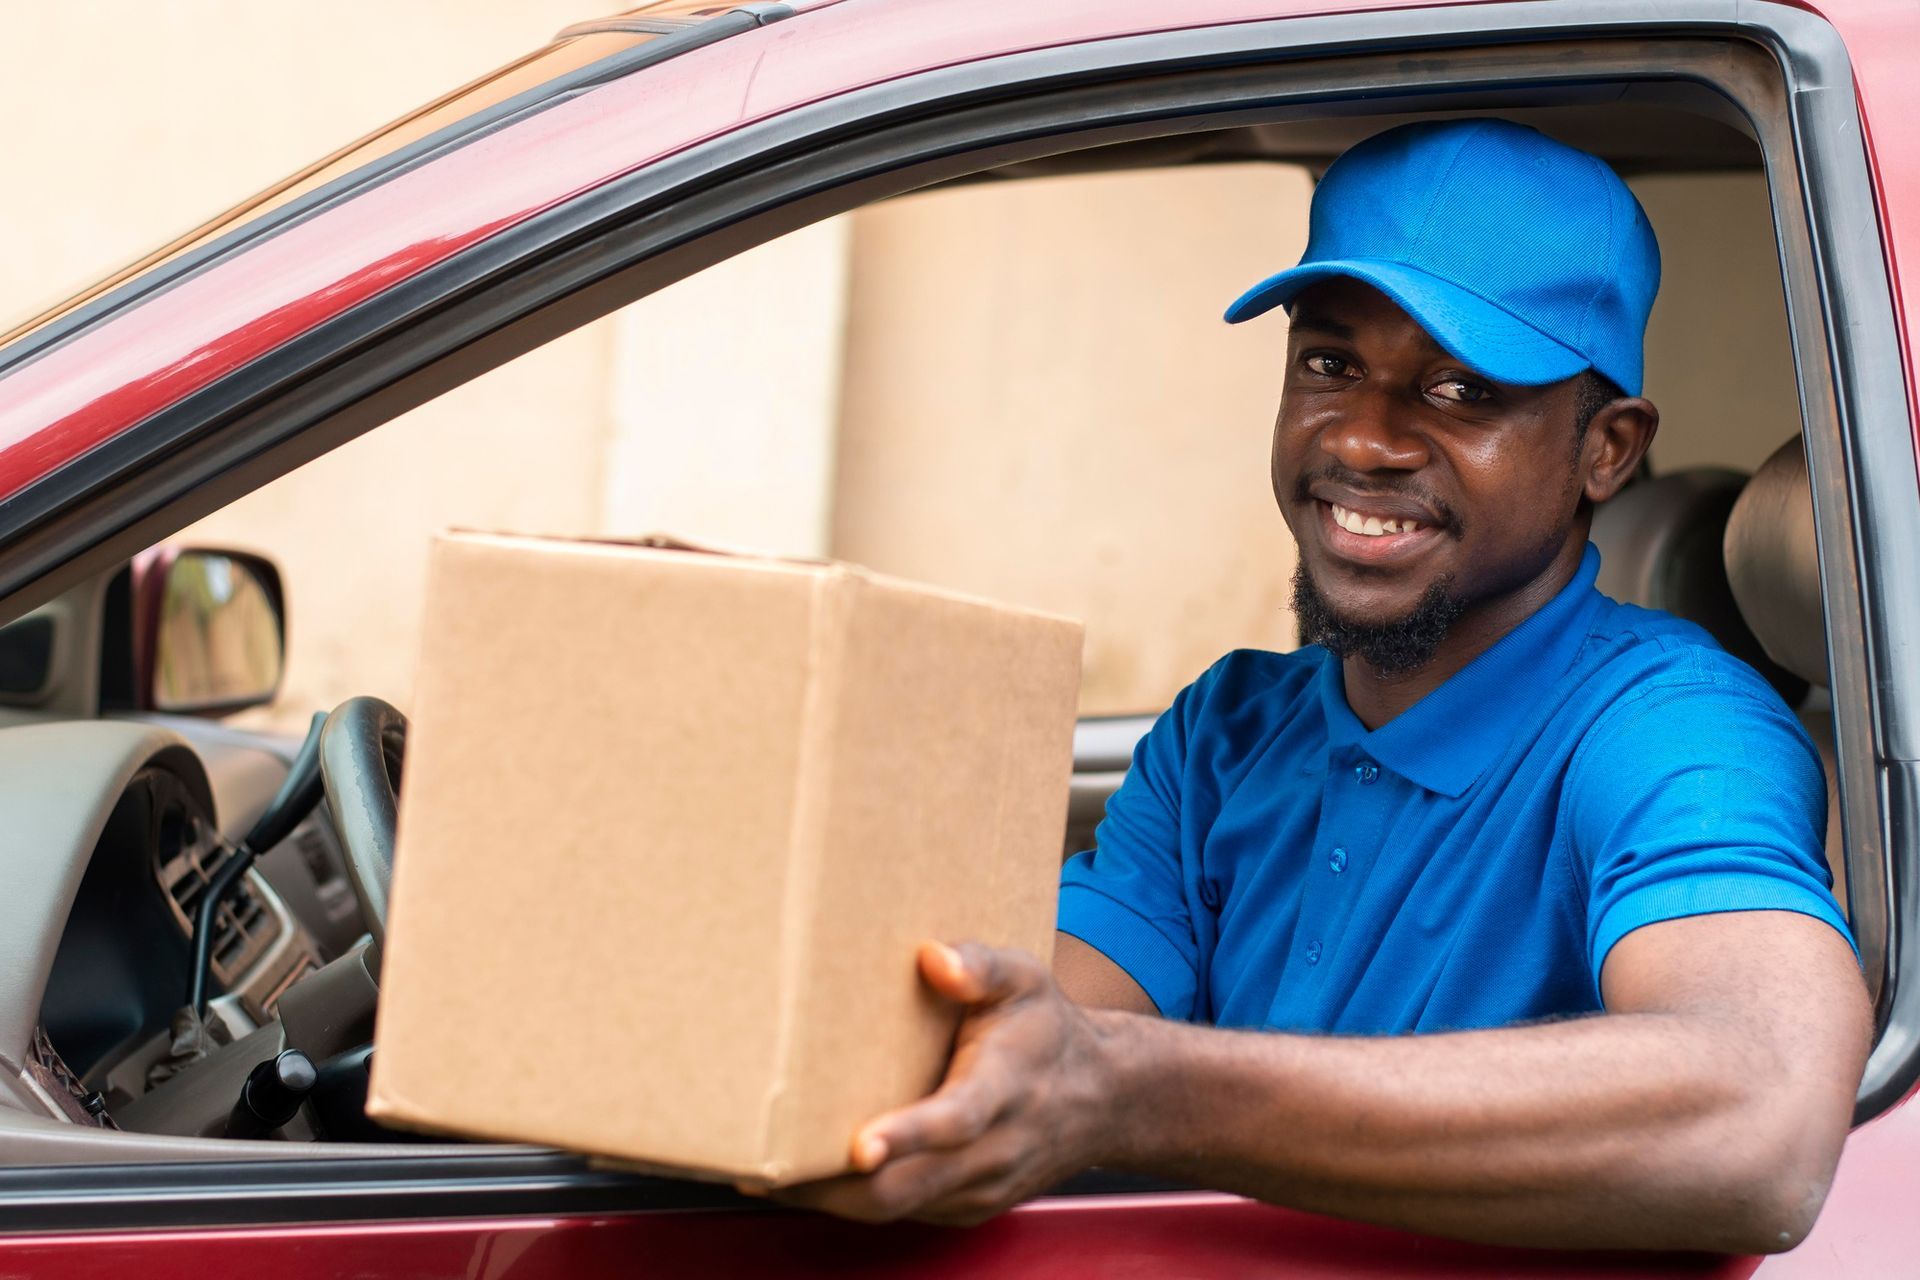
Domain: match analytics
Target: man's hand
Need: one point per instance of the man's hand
(1020, 1109)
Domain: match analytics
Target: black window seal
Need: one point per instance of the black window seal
(497, 1183)
(1851, 373)
(625, 26)
(675, 37)
(666, 221)
(762, 12)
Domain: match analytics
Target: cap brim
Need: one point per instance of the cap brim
(1486, 338)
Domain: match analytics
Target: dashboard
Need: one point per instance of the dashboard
(111, 842)
(124, 961)
(117, 819)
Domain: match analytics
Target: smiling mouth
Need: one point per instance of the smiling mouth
(1374, 538)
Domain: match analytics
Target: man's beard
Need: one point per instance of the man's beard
(1391, 648)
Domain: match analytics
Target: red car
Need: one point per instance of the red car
(631, 153)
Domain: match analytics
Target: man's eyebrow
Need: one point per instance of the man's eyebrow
(1320, 322)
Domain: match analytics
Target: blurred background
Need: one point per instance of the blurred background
(1019, 390)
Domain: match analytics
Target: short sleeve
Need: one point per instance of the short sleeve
(1126, 897)
(1697, 797)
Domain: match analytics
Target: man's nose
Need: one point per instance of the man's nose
(1375, 439)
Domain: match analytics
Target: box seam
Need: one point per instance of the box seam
(819, 717)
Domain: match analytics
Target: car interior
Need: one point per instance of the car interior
(128, 800)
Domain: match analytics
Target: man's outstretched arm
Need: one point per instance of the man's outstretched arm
(1705, 1110)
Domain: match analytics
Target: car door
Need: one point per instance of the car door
(366, 293)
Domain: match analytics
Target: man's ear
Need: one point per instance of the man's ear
(1617, 439)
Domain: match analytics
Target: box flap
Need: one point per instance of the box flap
(673, 543)
(658, 541)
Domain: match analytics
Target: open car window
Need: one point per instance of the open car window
(1714, 107)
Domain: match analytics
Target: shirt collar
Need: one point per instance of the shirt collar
(1445, 741)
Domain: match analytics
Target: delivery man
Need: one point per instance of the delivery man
(1498, 911)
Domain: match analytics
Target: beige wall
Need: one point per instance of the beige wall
(1719, 361)
(1042, 404)
(725, 395)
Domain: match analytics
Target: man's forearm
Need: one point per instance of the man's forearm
(1706, 1110)
(1649, 1130)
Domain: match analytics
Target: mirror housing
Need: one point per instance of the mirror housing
(209, 630)
(29, 653)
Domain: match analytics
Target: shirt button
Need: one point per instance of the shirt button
(1365, 773)
(1210, 895)
(1313, 953)
(1337, 861)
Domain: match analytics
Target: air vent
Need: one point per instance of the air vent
(243, 927)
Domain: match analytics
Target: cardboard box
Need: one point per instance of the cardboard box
(672, 826)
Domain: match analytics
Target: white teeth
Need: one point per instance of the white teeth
(1369, 526)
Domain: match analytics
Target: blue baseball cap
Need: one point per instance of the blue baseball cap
(1528, 260)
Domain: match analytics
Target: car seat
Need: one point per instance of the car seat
(1773, 567)
(1662, 542)
(1736, 556)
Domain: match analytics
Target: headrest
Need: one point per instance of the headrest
(1773, 563)
(1660, 544)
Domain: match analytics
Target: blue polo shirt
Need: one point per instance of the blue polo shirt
(1269, 862)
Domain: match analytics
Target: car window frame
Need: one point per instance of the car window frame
(661, 223)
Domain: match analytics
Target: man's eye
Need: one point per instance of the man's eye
(1461, 392)
(1328, 366)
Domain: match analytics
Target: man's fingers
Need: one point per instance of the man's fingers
(959, 1112)
(956, 1187)
(848, 1197)
(1003, 1038)
(899, 1190)
(972, 1204)
(981, 1082)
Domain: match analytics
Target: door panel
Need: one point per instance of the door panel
(1193, 1235)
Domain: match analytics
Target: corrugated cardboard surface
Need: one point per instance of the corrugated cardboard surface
(672, 825)
(947, 756)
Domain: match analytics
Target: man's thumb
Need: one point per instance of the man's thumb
(967, 974)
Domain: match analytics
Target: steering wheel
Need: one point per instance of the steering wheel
(361, 747)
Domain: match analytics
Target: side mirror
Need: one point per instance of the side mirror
(210, 630)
